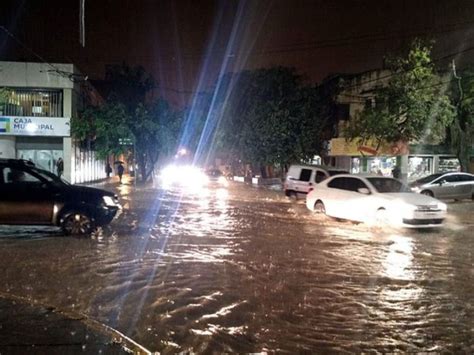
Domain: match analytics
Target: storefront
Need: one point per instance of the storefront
(36, 103)
(368, 156)
(37, 139)
(382, 159)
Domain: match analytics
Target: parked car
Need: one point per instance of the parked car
(451, 185)
(33, 196)
(375, 199)
(301, 179)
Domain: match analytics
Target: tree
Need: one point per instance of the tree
(270, 117)
(106, 126)
(462, 129)
(411, 107)
(155, 131)
(128, 117)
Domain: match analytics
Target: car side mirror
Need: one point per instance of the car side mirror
(45, 185)
(442, 182)
(363, 190)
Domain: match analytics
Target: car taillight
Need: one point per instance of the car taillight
(311, 189)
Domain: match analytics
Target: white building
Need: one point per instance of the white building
(37, 102)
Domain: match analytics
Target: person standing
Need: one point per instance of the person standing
(108, 170)
(60, 167)
(120, 170)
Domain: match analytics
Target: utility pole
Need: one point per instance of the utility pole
(458, 135)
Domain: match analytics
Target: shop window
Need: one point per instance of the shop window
(449, 164)
(419, 167)
(33, 103)
(381, 166)
(355, 166)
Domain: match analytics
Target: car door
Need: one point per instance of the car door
(343, 200)
(356, 205)
(441, 188)
(25, 198)
(448, 186)
(464, 186)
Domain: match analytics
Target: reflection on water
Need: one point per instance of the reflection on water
(246, 270)
(399, 258)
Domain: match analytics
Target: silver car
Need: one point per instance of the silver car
(446, 185)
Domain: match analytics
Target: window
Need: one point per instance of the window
(342, 112)
(465, 178)
(320, 176)
(349, 184)
(305, 174)
(384, 185)
(16, 176)
(451, 178)
(31, 102)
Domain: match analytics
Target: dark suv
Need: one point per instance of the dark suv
(33, 196)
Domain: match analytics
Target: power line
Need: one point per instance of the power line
(362, 38)
(388, 76)
(73, 77)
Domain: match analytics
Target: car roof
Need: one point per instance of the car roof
(454, 173)
(362, 175)
(17, 162)
(316, 166)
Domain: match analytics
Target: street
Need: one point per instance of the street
(242, 269)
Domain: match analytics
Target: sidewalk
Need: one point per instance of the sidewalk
(31, 329)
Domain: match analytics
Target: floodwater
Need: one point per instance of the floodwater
(243, 270)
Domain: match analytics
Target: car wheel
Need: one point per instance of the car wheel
(381, 216)
(77, 223)
(427, 193)
(319, 207)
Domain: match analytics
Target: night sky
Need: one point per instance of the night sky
(185, 44)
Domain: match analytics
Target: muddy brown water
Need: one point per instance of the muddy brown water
(245, 270)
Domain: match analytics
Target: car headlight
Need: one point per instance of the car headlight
(415, 189)
(108, 201)
(442, 206)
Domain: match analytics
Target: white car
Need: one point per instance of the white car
(375, 199)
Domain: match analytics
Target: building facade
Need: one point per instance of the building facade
(37, 102)
(413, 160)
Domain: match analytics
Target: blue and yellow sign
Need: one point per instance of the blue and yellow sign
(4, 124)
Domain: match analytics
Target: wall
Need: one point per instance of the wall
(36, 75)
(7, 147)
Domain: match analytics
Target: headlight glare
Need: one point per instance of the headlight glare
(108, 200)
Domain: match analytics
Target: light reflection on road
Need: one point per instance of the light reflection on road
(247, 270)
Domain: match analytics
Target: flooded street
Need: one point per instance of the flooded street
(241, 269)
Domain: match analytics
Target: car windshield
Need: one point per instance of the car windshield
(387, 185)
(428, 178)
(48, 176)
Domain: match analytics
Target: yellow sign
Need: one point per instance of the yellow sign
(343, 147)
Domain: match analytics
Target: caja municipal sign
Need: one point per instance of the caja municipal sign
(35, 126)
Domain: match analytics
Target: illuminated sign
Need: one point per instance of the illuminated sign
(35, 126)
(343, 147)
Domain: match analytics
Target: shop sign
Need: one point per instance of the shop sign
(343, 147)
(35, 126)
